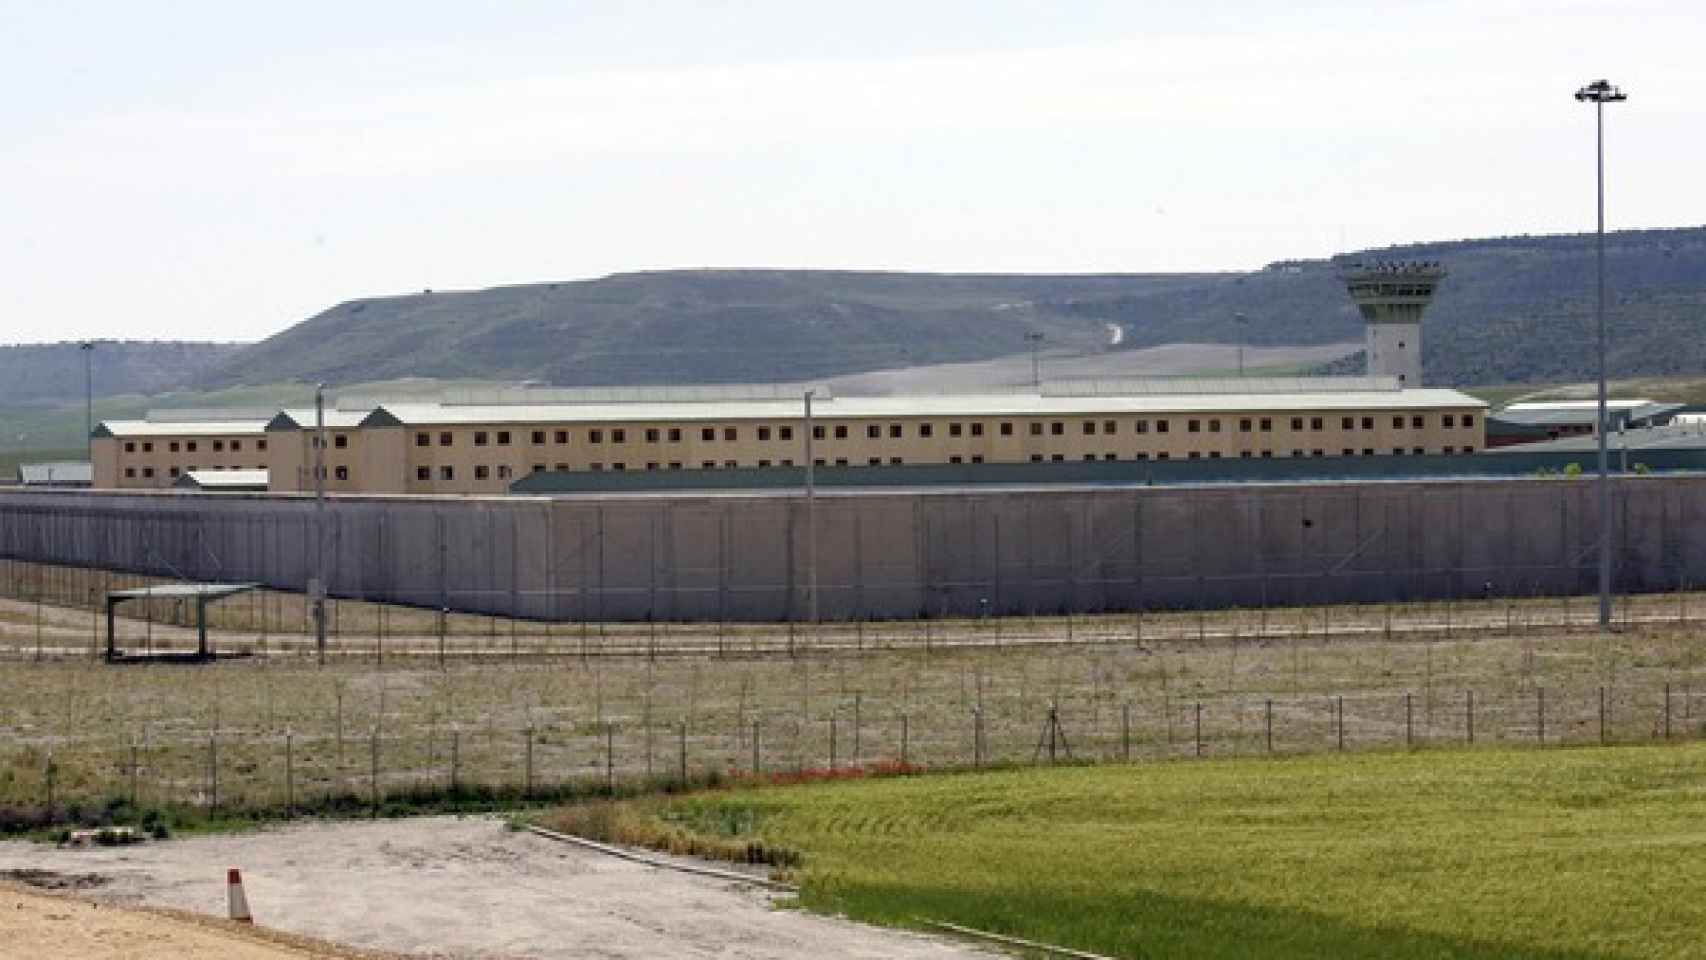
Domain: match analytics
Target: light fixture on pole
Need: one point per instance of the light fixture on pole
(1599, 93)
(88, 349)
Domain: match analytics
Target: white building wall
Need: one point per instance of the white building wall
(1395, 350)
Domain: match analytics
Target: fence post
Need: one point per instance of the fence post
(1199, 728)
(1667, 709)
(1339, 709)
(832, 740)
(213, 771)
(1469, 714)
(527, 781)
(683, 753)
(455, 759)
(905, 737)
(1409, 721)
(858, 701)
(610, 757)
(1540, 713)
(1125, 731)
(47, 781)
(133, 773)
(289, 774)
(1268, 723)
(1602, 716)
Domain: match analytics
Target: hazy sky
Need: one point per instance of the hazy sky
(219, 170)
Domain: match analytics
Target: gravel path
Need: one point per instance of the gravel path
(463, 888)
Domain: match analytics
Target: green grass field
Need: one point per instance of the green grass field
(1472, 853)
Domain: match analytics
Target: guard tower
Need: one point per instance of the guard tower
(1392, 296)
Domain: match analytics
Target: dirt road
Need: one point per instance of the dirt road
(464, 888)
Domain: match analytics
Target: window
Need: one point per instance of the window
(561, 468)
(817, 432)
(1397, 451)
(730, 434)
(1416, 422)
(423, 473)
(1244, 425)
(340, 473)
(218, 446)
(1368, 423)
(1142, 426)
(731, 464)
(896, 461)
(841, 431)
(504, 471)
(173, 471)
(444, 439)
(1089, 456)
(955, 429)
(675, 464)
(1397, 423)
(423, 439)
(1347, 452)
(595, 436)
(618, 436)
(1368, 451)
(147, 446)
(1057, 428)
(1214, 454)
(1108, 427)
(841, 461)
(1418, 451)
(482, 471)
(1036, 458)
(872, 431)
(956, 459)
(480, 438)
(1297, 453)
(1214, 426)
(539, 468)
(1468, 421)
(708, 434)
(1089, 427)
(595, 466)
(1163, 455)
(1141, 456)
(1193, 426)
(619, 465)
(1297, 423)
(503, 438)
(764, 463)
(924, 429)
(148, 471)
(1244, 454)
(1317, 453)
(172, 447)
(763, 433)
(1058, 457)
(708, 465)
(538, 436)
(260, 444)
(1314, 423)
(1195, 455)
(975, 458)
(1036, 429)
(1468, 449)
(560, 436)
(675, 437)
(130, 472)
(894, 431)
(786, 433)
(1110, 456)
(1347, 423)
(130, 446)
(652, 435)
(651, 465)
(189, 446)
(1450, 449)
(1006, 428)
(977, 429)
(875, 461)
(1447, 420)
(447, 473)
(340, 441)
(1267, 454)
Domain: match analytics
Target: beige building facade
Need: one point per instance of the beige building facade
(483, 447)
(153, 454)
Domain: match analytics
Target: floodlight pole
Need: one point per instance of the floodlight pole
(1243, 325)
(1600, 93)
(88, 348)
(811, 518)
(1036, 339)
(317, 588)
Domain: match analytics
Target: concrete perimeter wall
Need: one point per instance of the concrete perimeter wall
(899, 553)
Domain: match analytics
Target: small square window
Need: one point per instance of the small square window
(977, 429)
(731, 464)
(595, 466)
(147, 446)
(976, 458)
(1397, 423)
(1036, 429)
(786, 433)
(444, 440)
(595, 436)
(924, 429)
(875, 462)
(1447, 420)
(708, 434)
(482, 471)
(1194, 455)
(1089, 427)
(818, 432)
(675, 437)
(1089, 456)
(954, 430)
(764, 463)
(504, 471)
(1314, 423)
(172, 447)
(872, 431)
(340, 441)
(896, 461)
(1468, 421)
(1163, 455)
(1368, 423)
(1317, 453)
(1244, 425)
(956, 459)
(538, 436)
(652, 435)
(675, 464)
(730, 434)
(1108, 427)
(503, 438)
(1267, 454)
(1450, 449)
(480, 438)
(340, 473)
(1036, 458)
(1110, 456)
(561, 468)
(423, 473)
(130, 472)
(1297, 423)
(148, 471)
(173, 471)
(1057, 457)
(1244, 454)
(1057, 428)
(560, 436)
(1214, 426)
(651, 465)
(1161, 426)
(1397, 451)
(1193, 426)
(1142, 426)
(763, 433)
(619, 465)
(447, 473)
(218, 446)
(841, 431)
(130, 446)
(1418, 451)
(618, 436)
(708, 465)
(423, 439)
(1416, 422)
(894, 431)
(1347, 452)
(841, 461)
(1347, 423)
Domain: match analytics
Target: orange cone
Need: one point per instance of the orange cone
(238, 903)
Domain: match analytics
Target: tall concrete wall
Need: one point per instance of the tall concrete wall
(893, 553)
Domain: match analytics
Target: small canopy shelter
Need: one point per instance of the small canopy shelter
(201, 593)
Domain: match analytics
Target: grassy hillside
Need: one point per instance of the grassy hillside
(53, 373)
(1579, 854)
(1514, 310)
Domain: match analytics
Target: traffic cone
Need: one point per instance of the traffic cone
(239, 903)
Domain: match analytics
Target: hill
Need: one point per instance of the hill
(52, 373)
(1515, 309)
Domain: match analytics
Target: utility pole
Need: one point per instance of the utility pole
(1036, 338)
(1243, 325)
(811, 518)
(1599, 93)
(317, 586)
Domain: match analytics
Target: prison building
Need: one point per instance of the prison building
(485, 445)
(293, 438)
(152, 453)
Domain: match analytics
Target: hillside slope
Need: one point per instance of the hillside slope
(1509, 312)
(52, 373)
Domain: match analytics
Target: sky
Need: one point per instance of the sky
(220, 171)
